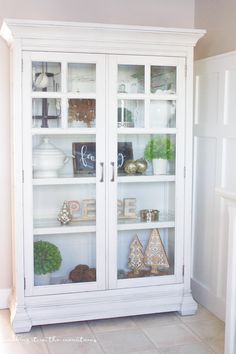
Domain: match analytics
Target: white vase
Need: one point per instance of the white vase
(42, 279)
(159, 166)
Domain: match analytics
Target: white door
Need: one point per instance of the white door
(146, 120)
(64, 155)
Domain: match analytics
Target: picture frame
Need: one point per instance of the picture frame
(84, 161)
(84, 153)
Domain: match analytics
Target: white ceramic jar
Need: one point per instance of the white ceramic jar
(47, 160)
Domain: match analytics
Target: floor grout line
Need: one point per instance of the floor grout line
(203, 340)
(138, 326)
(98, 342)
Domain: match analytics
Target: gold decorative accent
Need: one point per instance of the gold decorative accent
(130, 167)
(141, 165)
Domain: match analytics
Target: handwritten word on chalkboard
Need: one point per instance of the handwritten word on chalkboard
(84, 161)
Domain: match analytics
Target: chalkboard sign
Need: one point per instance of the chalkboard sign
(84, 161)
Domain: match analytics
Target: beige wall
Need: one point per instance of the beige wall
(170, 13)
(166, 13)
(5, 226)
(218, 17)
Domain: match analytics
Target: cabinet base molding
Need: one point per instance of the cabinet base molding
(188, 306)
(101, 304)
(20, 319)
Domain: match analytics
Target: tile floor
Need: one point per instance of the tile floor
(166, 333)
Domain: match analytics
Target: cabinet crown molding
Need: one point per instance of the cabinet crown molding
(13, 29)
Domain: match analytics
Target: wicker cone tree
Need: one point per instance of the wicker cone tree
(136, 256)
(155, 255)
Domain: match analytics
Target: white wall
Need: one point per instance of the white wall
(166, 13)
(218, 18)
(215, 148)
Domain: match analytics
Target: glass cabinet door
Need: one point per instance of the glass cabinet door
(64, 187)
(148, 111)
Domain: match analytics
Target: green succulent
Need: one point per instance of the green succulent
(159, 147)
(47, 257)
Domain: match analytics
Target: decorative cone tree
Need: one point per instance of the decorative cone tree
(136, 256)
(155, 254)
(64, 215)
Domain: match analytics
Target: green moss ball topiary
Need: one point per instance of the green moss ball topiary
(47, 257)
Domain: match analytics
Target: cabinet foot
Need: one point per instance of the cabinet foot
(20, 320)
(188, 306)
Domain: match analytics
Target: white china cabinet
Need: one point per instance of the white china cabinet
(91, 102)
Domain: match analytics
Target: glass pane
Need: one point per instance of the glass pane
(82, 78)
(145, 253)
(62, 207)
(130, 114)
(46, 76)
(163, 79)
(48, 204)
(130, 79)
(81, 113)
(46, 113)
(146, 202)
(162, 114)
(64, 258)
(156, 152)
(72, 156)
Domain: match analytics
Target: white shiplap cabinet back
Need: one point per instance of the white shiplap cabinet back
(214, 166)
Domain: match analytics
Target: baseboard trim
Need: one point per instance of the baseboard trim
(4, 298)
(207, 299)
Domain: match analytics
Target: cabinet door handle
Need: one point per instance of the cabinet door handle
(113, 171)
(102, 172)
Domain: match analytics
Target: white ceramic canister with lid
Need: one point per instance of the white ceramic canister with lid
(47, 160)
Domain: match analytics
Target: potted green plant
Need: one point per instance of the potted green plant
(159, 150)
(47, 259)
